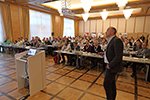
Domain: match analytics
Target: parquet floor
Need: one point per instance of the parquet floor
(67, 83)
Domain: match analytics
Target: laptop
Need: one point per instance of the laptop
(31, 52)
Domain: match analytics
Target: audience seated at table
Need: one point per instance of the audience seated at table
(142, 38)
(38, 43)
(87, 48)
(137, 46)
(47, 42)
(50, 40)
(55, 42)
(26, 42)
(126, 45)
(19, 42)
(80, 43)
(21, 39)
(103, 44)
(66, 47)
(6, 41)
(141, 52)
(61, 44)
(95, 49)
(73, 58)
(132, 40)
(32, 40)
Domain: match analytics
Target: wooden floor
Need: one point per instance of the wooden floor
(67, 83)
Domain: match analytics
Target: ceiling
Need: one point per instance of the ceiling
(142, 7)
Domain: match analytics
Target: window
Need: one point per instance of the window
(68, 27)
(2, 31)
(40, 24)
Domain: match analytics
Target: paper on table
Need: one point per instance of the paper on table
(135, 58)
(146, 58)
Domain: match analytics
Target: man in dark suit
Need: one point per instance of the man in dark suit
(113, 59)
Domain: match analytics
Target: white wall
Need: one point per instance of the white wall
(132, 25)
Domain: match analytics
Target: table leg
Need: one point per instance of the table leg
(147, 71)
(77, 66)
(80, 60)
(58, 58)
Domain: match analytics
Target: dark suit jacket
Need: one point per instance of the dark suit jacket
(88, 49)
(93, 49)
(77, 48)
(114, 53)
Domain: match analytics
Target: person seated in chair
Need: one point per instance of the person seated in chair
(87, 48)
(74, 48)
(103, 45)
(66, 47)
(137, 46)
(47, 42)
(141, 52)
(95, 49)
(26, 42)
(6, 41)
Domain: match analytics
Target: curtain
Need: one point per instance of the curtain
(25, 18)
(61, 26)
(76, 29)
(40, 24)
(6, 17)
(68, 27)
(53, 24)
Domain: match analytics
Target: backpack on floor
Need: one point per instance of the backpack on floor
(57, 58)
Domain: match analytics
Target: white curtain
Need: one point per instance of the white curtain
(68, 27)
(2, 30)
(40, 24)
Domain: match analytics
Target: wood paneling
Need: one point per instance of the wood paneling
(99, 25)
(87, 26)
(81, 28)
(57, 25)
(134, 35)
(147, 24)
(106, 25)
(130, 25)
(93, 25)
(114, 22)
(139, 24)
(149, 42)
(121, 26)
(15, 21)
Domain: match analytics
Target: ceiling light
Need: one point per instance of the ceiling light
(121, 4)
(86, 4)
(104, 14)
(85, 16)
(127, 13)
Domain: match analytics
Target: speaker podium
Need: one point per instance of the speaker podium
(33, 70)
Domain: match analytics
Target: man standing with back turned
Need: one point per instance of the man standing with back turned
(113, 59)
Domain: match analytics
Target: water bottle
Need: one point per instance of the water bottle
(80, 51)
(130, 56)
(144, 57)
(74, 50)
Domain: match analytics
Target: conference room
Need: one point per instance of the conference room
(74, 50)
